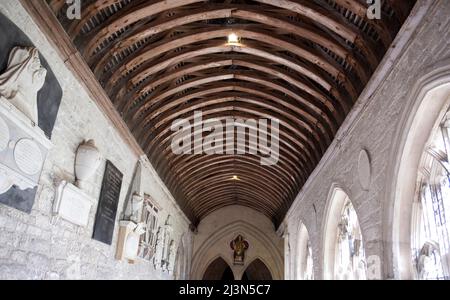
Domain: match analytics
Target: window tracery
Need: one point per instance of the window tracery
(350, 261)
(430, 228)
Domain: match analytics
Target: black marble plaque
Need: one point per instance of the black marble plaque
(107, 205)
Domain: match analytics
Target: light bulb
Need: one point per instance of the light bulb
(233, 38)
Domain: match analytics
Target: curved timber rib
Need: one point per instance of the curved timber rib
(302, 62)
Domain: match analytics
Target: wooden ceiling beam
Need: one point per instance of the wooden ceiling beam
(228, 171)
(303, 62)
(318, 99)
(287, 132)
(192, 163)
(142, 116)
(217, 11)
(151, 52)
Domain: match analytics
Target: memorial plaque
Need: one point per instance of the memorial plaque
(21, 195)
(4, 135)
(28, 157)
(108, 203)
(72, 204)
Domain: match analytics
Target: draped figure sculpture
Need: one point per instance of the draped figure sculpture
(22, 80)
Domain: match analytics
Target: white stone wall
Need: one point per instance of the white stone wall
(35, 247)
(217, 230)
(374, 125)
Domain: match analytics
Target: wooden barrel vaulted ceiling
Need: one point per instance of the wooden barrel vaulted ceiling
(304, 62)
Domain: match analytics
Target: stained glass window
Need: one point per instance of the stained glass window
(350, 262)
(430, 229)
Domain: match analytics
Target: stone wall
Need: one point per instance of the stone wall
(37, 246)
(217, 230)
(374, 125)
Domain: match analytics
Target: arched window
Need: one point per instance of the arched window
(257, 270)
(350, 260)
(218, 270)
(344, 256)
(420, 192)
(430, 243)
(309, 269)
(305, 270)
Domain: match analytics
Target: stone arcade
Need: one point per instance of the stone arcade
(91, 187)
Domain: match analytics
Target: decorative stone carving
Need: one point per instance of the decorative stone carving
(72, 204)
(129, 237)
(23, 149)
(22, 80)
(87, 161)
(171, 256)
(158, 246)
(133, 210)
(165, 254)
(23, 145)
(239, 246)
(364, 170)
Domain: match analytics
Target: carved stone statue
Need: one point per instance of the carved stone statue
(167, 240)
(132, 242)
(134, 207)
(239, 245)
(22, 80)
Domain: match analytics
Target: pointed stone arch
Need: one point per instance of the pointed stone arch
(217, 269)
(257, 270)
(337, 201)
(426, 105)
(203, 256)
(301, 245)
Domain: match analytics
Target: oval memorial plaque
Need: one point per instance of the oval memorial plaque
(28, 156)
(364, 170)
(4, 135)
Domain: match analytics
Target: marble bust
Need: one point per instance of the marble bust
(22, 80)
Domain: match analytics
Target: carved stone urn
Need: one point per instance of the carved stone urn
(87, 161)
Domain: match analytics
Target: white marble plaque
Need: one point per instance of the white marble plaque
(28, 156)
(364, 170)
(4, 135)
(72, 204)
